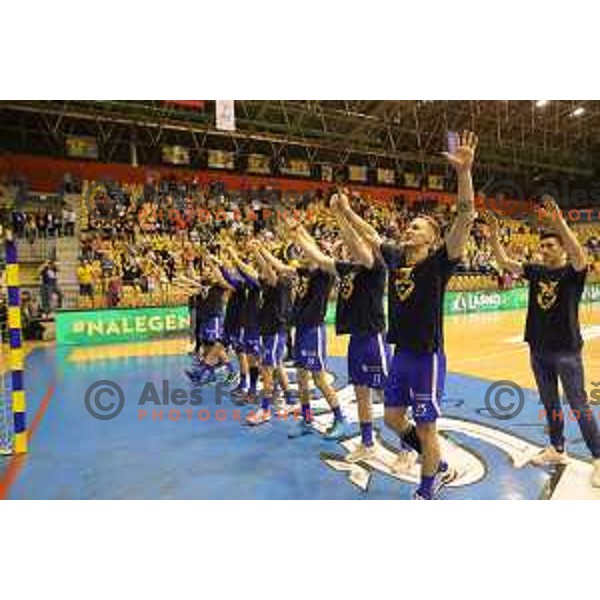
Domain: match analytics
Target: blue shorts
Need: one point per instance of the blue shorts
(417, 380)
(310, 348)
(368, 360)
(250, 341)
(273, 349)
(232, 339)
(211, 330)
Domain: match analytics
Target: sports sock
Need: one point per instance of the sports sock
(253, 378)
(426, 487)
(200, 373)
(306, 413)
(337, 414)
(366, 433)
(208, 369)
(289, 397)
(244, 381)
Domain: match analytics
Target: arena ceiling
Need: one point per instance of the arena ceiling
(523, 138)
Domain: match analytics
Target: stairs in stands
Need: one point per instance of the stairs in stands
(67, 256)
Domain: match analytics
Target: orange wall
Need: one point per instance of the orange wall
(46, 174)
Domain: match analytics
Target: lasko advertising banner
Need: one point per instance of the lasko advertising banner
(487, 301)
(120, 325)
(131, 324)
(484, 301)
(467, 302)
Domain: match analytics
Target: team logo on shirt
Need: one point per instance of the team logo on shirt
(404, 284)
(546, 295)
(346, 285)
(301, 287)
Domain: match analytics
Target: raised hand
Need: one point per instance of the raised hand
(231, 252)
(464, 155)
(334, 202)
(289, 225)
(340, 201)
(549, 213)
(492, 223)
(254, 245)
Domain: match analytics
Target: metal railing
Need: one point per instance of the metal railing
(38, 251)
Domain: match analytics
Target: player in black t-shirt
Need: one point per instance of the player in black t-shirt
(312, 289)
(214, 287)
(197, 291)
(419, 270)
(552, 330)
(195, 306)
(272, 321)
(360, 313)
(232, 324)
(249, 335)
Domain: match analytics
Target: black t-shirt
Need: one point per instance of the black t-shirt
(200, 301)
(275, 307)
(359, 308)
(553, 310)
(235, 305)
(313, 287)
(416, 299)
(215, 301)
(193, 301)
(251, 307)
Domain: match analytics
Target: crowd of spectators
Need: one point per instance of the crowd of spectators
(115, 270)
(43, 223)
(138, 239)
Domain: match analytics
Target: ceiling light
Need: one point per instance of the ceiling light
(578, 112)
(541, 103)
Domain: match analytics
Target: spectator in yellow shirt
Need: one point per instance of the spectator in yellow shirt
(85, 274)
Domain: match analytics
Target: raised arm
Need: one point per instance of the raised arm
(276, 264)
(267, 272)
(360, 251)
(243, 267)
(218, 278)
(367, 232)
(503, 260)
(554, 219)
(300, 236)
(462, 161)
(188, 285)
(230, 277)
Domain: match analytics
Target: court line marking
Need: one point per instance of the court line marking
(18, 461)
(478, 359)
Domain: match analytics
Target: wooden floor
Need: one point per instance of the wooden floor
(75, 456)
(490, 346)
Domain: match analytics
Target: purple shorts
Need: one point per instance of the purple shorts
(211, 330)
(417, 380)
(310, 348)
(232, 339)
(368, 360)
(273, 349)
(250, 341)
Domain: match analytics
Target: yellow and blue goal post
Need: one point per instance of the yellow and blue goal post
(13, 423)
